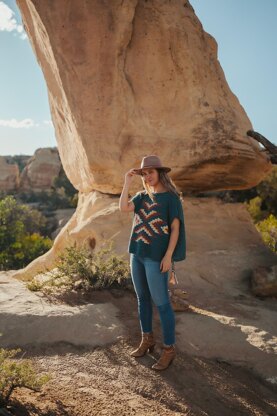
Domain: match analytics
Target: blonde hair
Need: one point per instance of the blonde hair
(166, 181)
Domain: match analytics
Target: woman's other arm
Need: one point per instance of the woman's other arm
(174, 235)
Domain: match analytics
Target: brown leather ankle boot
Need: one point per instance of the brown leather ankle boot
(147, 343)
(167, 356)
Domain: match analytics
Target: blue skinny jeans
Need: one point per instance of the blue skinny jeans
(150, 283)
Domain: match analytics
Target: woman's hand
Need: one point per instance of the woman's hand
(129, 175)
(165, 263)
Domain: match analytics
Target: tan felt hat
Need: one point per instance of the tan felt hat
(151, 161)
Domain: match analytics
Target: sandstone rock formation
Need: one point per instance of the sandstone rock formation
(126, 79)
(40, 170)
(9, 175)
(20, 160)
(130, 78)
(30, 173)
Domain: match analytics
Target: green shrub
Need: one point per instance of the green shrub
(20, 241)
(17, 374)
(261, 203)
(268, 230)
(51, 199)
(79, 268)
(254, 209)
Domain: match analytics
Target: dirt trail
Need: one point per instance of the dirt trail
(106, 380)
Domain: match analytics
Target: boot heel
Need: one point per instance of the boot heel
(147, 343)
(166, 358)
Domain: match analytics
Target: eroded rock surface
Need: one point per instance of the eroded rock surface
(126, 79)
(40, 170)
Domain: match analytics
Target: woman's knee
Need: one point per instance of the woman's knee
(144, 298)
(161, 298)
(164, 306)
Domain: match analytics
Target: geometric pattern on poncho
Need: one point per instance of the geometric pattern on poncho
(148, 224)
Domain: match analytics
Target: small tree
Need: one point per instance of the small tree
(17, 374)
(20, 240)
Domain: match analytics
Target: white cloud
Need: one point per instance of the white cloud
(19, 124)
(48, 122)
(8, 22)
(23, 124)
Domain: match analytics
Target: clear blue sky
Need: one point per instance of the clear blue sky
(246, 33)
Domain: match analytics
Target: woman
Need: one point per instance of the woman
(156, 241)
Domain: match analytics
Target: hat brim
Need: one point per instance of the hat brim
(139, 171)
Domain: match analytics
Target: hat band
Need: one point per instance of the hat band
(150, 166)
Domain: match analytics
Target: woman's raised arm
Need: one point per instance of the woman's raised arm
(124, 204)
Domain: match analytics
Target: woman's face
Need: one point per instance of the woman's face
(150, 176)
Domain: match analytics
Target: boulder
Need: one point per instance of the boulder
(40, 170)
(126, 79)
(264, 281)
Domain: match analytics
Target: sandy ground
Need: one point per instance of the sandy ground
(105, 380)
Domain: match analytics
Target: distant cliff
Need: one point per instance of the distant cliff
(36, 173)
